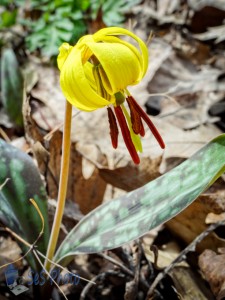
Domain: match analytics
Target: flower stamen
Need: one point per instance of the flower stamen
(146, 118)
(126, 134)
(136, 121)
(114, 132)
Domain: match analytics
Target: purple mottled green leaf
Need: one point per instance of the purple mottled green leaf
(12, 86)
(131, 216)
(16, 211)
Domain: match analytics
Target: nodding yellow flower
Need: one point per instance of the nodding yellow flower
(96, 72)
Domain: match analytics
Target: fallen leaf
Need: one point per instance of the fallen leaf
(132, 177)
(88, 193)
(192, 221)
(166, 255)
(167, 6)
(212, 266)
(217, 33)
(207, 13)
(188, 285)
(197, 5)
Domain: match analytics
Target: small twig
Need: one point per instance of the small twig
(31, 248)
(4, 183)
(123, 255)
(182, 256)
(150, 38)
(4, 135)
(137, 261)
(138, 278)
(15, 261)
(49, 135)
(123, 268)
(131, 288)
(164, 95)
(155, 250)
(101, 276)
(38, 259)
(150, 265)
(64, 269)
(115, 262)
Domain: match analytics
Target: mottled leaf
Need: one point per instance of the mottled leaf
(132, 215)
(7, 215)
(12, 85)
(24, 183)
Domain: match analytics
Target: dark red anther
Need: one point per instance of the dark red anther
(114, 132)
(142, 129)
(135, 117)
(126, 134)
(146, 118)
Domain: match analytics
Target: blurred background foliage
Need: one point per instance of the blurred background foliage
(44, 24)
(37, 28)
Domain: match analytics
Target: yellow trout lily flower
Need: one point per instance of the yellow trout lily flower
(96, 72)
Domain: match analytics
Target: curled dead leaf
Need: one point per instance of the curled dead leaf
(192, 221)
(212, 266)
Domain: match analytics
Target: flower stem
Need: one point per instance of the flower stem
(64, 171)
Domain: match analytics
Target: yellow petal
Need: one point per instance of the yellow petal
(64, 51)
(88, 70)
(76, 86)
(119, 63)
(113, 39)
(110, 31)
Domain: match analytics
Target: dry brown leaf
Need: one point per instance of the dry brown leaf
(197, 5)
(30, 76)
(188, 285)
(88, 193)
(167, 6)
(9, 252)
(166, 255)
(32, 130)
(192, 221)
(217, 33)
(194, 88)
(182, 144)
(132, 177)
(191, 49)
(212, 266)
(208, 13)
(149, 12)
(181, 77)
(214, 218)
(90, 155)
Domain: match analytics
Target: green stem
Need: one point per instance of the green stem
(62, 185)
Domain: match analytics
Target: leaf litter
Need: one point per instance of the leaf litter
(185, 80)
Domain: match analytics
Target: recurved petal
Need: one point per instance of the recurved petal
(111, 31)
(120, 64)
(114, 39)
(76, 86)
(64, 51)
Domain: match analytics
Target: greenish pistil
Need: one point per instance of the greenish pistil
(119, 98)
